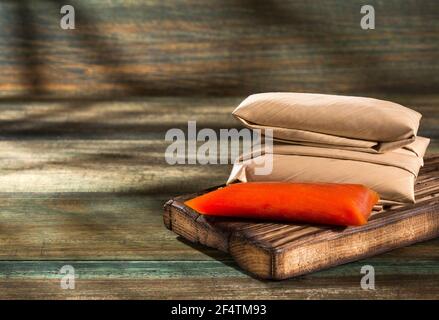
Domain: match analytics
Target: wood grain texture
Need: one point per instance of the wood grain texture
(83, 182)
(411, 275)
(83, 116)
(191, 48)
(119, 146)
(279, 250)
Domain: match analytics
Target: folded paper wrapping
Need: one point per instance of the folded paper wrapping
(354, 123)
(392, 174)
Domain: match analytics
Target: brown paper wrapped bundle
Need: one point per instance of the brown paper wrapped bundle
(342, 122)
(392, 174)
(335, 139)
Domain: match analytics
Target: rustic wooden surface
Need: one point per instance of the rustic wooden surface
(276, 250)
(84, 183)
(222, 48)
(82, 173)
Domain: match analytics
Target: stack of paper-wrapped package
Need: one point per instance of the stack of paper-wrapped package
(335, 139)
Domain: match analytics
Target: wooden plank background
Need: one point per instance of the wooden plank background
(220, 47)
(83, 115)
(85, 186)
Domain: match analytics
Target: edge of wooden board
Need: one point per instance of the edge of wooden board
(313, 248)
(330, 248)
(310, 253)
(184, 221)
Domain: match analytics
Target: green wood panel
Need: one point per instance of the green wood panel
(120, 146)
(149, 118)
(94, 226)
(191, 47)
(89, 226)
(214, 280)
(83, 182)
(89, 182)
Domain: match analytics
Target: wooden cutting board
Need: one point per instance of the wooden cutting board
(281, 250)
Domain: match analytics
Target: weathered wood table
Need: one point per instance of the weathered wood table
(82, 183)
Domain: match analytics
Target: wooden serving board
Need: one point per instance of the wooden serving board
(281, 250)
